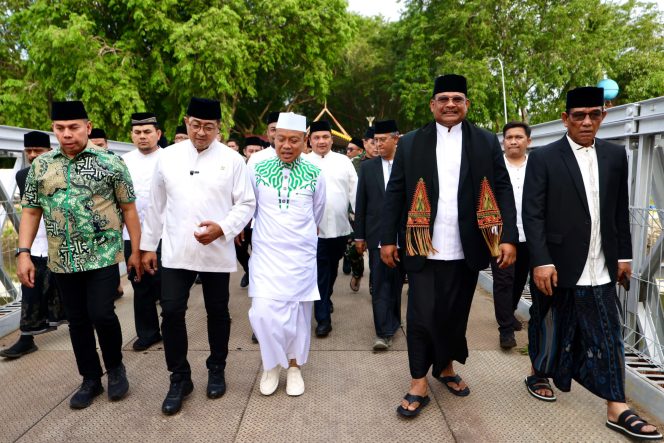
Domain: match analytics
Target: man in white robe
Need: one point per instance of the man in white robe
(290, 200)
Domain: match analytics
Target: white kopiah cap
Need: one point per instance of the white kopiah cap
(292, 121)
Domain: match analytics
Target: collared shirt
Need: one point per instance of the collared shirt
(79, 198)
(387, 170)
(595, 271)
(141, 167)
(290, 201)
(261, 155)
(341, 188)
(446, 234)
(517, 177)
(188, 188)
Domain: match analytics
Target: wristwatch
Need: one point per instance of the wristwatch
(19, 250)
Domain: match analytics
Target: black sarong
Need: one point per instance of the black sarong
(576, 334)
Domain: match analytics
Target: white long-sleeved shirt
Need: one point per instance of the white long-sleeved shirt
(341, 188)
(290, 201)
(595, 272)
(141, 167)
(517, 177)
(261, 155)
(446, 234)
(189, 187)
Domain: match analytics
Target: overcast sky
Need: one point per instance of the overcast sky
(390, 9)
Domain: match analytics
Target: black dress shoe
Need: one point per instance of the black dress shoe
(177, 392)
(323, 329)
(507, 341)
(24, 345)
(86, 393)
(245, 280)
(118, 385)
(143, 345)
(216, 384)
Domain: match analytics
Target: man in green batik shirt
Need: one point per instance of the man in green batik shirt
(84, 193)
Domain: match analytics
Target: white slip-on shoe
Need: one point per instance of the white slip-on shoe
(270, 380)
(294, 382)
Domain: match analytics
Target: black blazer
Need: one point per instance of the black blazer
(555, 213)
(481, 157)
(21, 176)
(369, 202)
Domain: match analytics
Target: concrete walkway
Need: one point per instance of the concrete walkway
(351, 392)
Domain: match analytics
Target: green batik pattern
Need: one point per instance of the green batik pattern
(303, 175)
(80, 200)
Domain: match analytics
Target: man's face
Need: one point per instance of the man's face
(201, 132)
(289, 144)
(101, 142)
(33, 153)
(515, 143)
(271, 132)
(180, 138)
(145, 137)
(386, 145)
(449, 108)
(251, 149)
(370, 148)
(233, 145)
(352, 150)
(321, 142)
(583, 123)
(72, 134)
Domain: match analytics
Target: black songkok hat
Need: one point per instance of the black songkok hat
(143, 118)
(386, 127)
(357, 142)
(253, 140)
(36, 139)
(98, 133)
(266, 144)
(450, 83)
(272, 117)
(370, 132)
(585, 97)
(73, 110)
(204, 108)
(320, 125)
(181, 130)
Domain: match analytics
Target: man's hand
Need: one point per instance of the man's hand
(624, 273)
(210, 232)
(360, 246)
(240, 238)
(25, 270)
(507, 255)
(390, 255)
(134, 263)
(149, 261)
(545, 278)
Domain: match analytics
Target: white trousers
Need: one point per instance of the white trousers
(283, 330)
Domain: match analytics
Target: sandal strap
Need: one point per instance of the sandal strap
(412, 398)
(623, 416)
(451, 379)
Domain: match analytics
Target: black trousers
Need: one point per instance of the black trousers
(438, 307)
(328, 254)
(41, 305)
(176, 284)
(242, 251)
(508, 286)
(386, 296)
(146, 294)
(88, 298)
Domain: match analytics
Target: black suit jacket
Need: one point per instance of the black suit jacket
(481, 157)
(556, 217)
(369, 202)
(21, 176)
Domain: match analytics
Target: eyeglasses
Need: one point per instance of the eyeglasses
(349, 149)
(209, 129)
(579, 116)
(456, 100)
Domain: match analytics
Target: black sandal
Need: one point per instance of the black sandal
(411, 398)
(454, 379)
(535, 383)
(630, 424)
